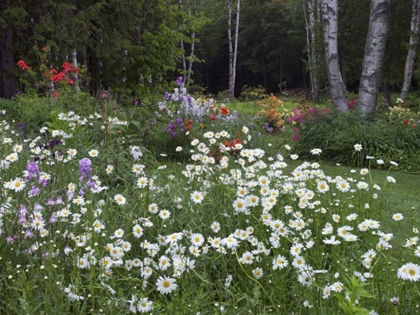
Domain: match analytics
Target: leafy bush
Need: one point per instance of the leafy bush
(380, 139)
(250, 93)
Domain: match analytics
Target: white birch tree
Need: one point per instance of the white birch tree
(233, 47)
(411, 55)
(374, 54)
(330, 22)
(191, 58)
(309, 7)
(73, 58)
(181, 44)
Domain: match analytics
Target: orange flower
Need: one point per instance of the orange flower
(223, 111)
(414, 125)
(406, 121)
(279, 123)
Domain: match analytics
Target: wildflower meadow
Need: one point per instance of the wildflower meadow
(95, 220)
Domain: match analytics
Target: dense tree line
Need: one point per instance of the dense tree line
(135, 46)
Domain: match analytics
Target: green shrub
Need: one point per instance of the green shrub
(380, 139)
(250, 93)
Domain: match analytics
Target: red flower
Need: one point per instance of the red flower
(67, 66)
(70, 81)
(406, 121)
(22, 64)
(414, 125)
(53, 71)
(56, 94)
(58, 77)
(213, 117)
(223, 111)
(44, 48)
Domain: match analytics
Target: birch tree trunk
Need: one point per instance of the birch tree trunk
(191, 58)
(233, 48)
(411, 55)
(337, 88)
(311, 47)
(181, 44)
(75, 75)
(374, 54)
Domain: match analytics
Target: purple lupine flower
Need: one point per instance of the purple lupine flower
(268, 128)
(180, 81)
(23, 210)
(180, 98)
(85, 168)
(59, 201)
(173, 134)
(29, 234)
(91, 184)
(166, 96)
(42, 182)
(22, 219)
(69, 195)
(34, 191)
(50, 202)
(189, 99)
(171, 126)
(38, 207)
(32, 169)
(179, 120)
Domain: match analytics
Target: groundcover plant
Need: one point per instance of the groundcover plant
(230, 231)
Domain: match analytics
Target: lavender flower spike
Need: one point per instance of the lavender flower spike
(85, 168)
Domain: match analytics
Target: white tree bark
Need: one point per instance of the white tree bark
(374, 54)
(233, 48)
(181, 44)
(75, 75)
(309, 14)
(337, 88)
(191, 58)
(411, 55)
